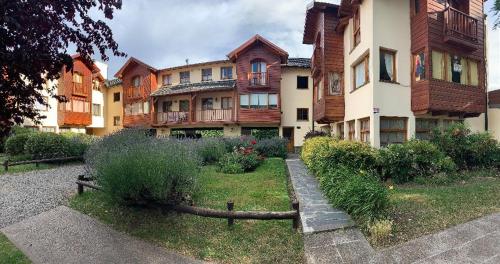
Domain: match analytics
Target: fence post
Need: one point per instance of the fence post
(37, 164)
(230, 207)
(6, 165)
(295, 206)
(80, 187)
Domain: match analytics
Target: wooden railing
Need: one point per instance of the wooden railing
(79, 88)
(461, 25)
(172, 117)
(214, 115)
(258, 78)
(133, 92)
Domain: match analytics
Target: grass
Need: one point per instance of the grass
(428, 207)
(9, 254)
(25, 167)
(248, 241)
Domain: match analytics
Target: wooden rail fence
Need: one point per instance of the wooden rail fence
(7, 163)
(230, 214)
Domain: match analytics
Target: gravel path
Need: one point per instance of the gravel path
(23, 195)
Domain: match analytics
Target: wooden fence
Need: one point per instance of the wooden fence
(230, 214)
(7, 163)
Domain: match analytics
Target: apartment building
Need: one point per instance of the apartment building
(112, 95)
(83, 112)
(257, 87)
(385, 71)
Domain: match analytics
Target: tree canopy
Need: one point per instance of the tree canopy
(34, 40)
(496, 12)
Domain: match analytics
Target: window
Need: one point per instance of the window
(453, 68)
(340, 131)
(419, 67)
(166, 106)
(206, 75)
(116, 121)
(273, 101)
(184, 77)
(438, 65)
(387, 65)
(364, 133)
(392, 130)
(302, 114)
(42, 106)
(356, 27)
(167, 79)
(96, 86)
(184, 105)
(48, 129)
(258, 74)
(258, 101)
(361, 74)
(302, 82)
(473, 73)
(116, 97)
(416, 4)
(334, 86)
(319, 90)
(207, 103)
(226, 73)
(146, 107)
(134, 109)
(449, 122)
(244, 101)
(96, 109)
(424, 128)
(77, 77)
(78, 106)
(351, 125)
(136, 81)
(226, 102)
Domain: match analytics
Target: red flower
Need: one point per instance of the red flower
(253, 142)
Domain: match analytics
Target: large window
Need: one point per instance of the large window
(351, 126)
(302, 114)
(167, 79)
(184, 105)
(226, 102)
(206, 75)
(419, 66)
(184, 77)
(166, 106)
(78, 106)
(96, 109)
(454, 68)
(361, 73)
(302, 82)
(356, 27)
(77, 77)
(207, 103)
(424, 128)
(364, 132)
(116, 97)
(226, 73)
(387, 65)
(258, 76)
(393, 130)
(134, 109)
(258, 101)
(334, 86)
(340, 130)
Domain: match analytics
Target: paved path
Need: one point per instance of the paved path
(63, 235)
(23, 195)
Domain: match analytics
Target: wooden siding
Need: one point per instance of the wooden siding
(243, 67)
(65, 87)
(494, 97)
(437, 96)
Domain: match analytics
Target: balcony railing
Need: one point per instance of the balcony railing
(258, 78)
(172, 117)
(79, 88)
(214, 115)
(460, 25)
(133, 92)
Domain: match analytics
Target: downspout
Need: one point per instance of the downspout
(485, 44)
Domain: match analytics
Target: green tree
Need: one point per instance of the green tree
(496, 12)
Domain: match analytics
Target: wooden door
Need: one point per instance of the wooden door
(288, 134)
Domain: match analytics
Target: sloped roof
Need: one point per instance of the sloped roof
(258, 38)
(312, 12)
(114, 82)
(298, 62)
(133, 60)
(196, 87)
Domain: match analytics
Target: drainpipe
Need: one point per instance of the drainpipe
(485, 43)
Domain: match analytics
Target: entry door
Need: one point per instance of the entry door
(288, 134)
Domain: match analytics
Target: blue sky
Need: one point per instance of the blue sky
(165, 33)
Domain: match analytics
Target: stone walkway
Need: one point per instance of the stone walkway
(63, 235)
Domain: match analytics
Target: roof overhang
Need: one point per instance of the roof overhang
(131, 62)
(258, 39)
(312, 12)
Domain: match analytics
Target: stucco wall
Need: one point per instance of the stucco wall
(98, 98)
(50, 114)
(111, 110)
(195, 73)
(494, 122)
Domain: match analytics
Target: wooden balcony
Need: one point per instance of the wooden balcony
(79, 89)
(214, 115)
(258, 79)
(172, 118)
(133, 92)
(460, 28)
(200, 116)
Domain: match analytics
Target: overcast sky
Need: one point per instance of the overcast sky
(165, 33)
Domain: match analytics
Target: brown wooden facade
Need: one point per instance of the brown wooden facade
(455, 29)
(328, 59)
(76, 112)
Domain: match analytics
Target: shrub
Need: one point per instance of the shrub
(359, 193)
(262, 133)
(78, 143)
(135, 168)
(16, 130)
(210, 149)
(312, 147)
(484, 151)
(239, 161)
(233, 143)
(272, 147)
(414, 158)
(15, 143)
(47, 145)
(315, 133)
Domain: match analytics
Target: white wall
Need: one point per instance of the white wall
(50, 114)
(98, 98)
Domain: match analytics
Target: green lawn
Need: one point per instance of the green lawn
(9, 254)
(420, 209)
(248, 241)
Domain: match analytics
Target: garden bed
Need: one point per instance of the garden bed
(9, 253)
(248, 241)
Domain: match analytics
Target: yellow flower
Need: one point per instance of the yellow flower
(391, 187)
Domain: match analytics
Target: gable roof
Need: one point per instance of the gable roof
(255, 39)
(94, 67)
(130, 61)
(313, 10)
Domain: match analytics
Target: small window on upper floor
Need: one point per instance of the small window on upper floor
(77, 77)
(361, 73)
(206, 75)
(184, 77)
(302, 82)
(226, 73)
(258, 75)
(167, 79)
(116, 97)
(387, 65)
(416, 6)
(356, 27)
(419, 66)
(136, 81)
